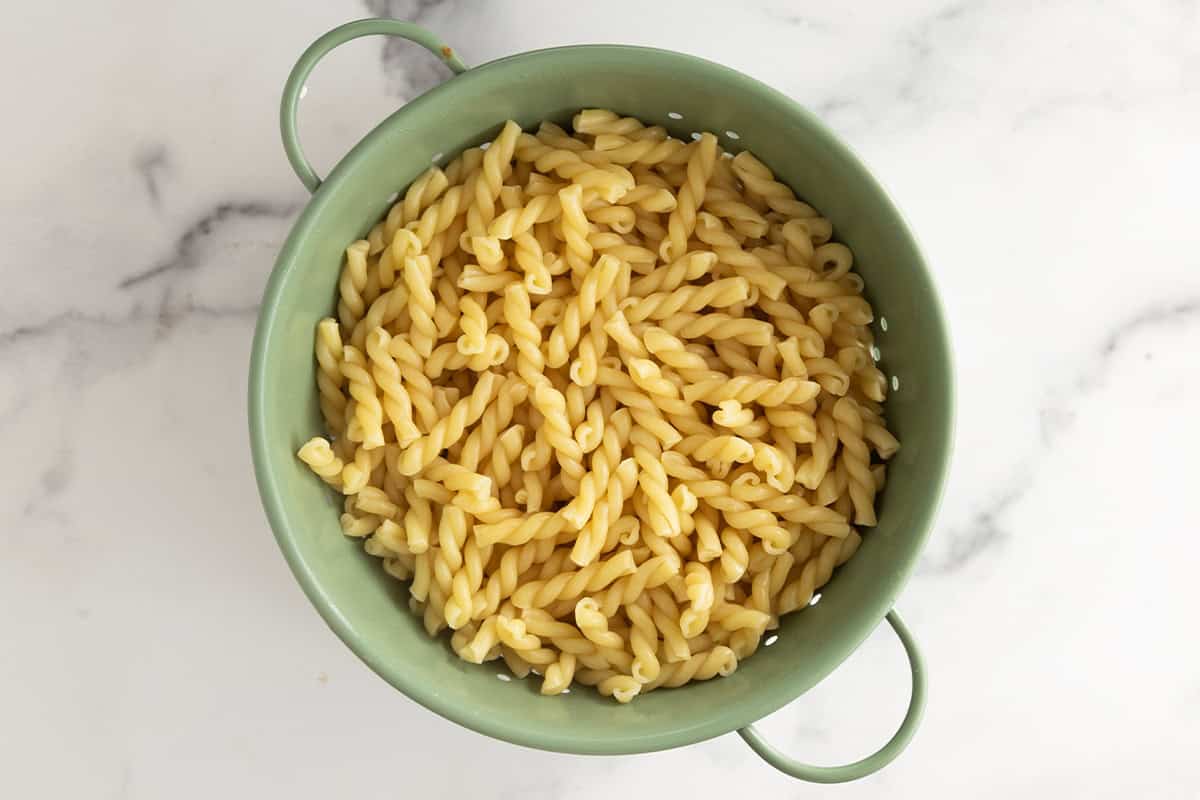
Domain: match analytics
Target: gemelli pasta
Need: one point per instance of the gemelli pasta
(606, 400)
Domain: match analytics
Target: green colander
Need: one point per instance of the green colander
(368, 610)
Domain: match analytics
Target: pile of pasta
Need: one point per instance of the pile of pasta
(607, 399)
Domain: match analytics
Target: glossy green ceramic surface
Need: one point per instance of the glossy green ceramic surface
(367, 609)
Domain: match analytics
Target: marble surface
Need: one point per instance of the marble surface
(152, 641)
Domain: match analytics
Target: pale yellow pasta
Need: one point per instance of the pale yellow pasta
(758, 181)
(690, 297)
(699, 586)
(418, 277)
(320, 457)
(606, 399)
(474, 325)
(330, 379)
(682, 221)
(450, 428)
(351, 285)
(752, 389)
(559, 674)
(397, 405)
(368, 410)
(857, 460)
(730, 254)
(723, 203)
(565, 336)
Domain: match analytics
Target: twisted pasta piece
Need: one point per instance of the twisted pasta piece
(733, 617)
(504, 578)
(621, 688)
(423, 192)
(592, 537)
(329, 374)
(703, 666)
(816, 572)
(701, 595)
(690, 197)
(368, 411)
(664, 516)
(791, 507)
(359, 469)
(666, 619)
(857, 459)
(759, 180)
(730, 253)
(594, 625)
(721, 202)
(733, 415)
(352, 284)
(418, 522)
(374, 500)
(592, 347)
(610, 184)
(643, 642)
(718, 326)
(751, 389)
(689, 267)
(449, 429)
(665, 394)
(505, 453)
(779, 470)
(620, 150)
(728, 449)
(570, 585)
(397, 405)
(485, 642)
(740, 514)
(513, 633)
(465, 582)
(358, 525)
(692, 297)
(526, 335)
(474, 325)
(416, 383)
(520, 221)
(447, 357)
(496, 163)
(568, 639)
(519, 530)
(458, 479)
(529, 257)
(596, 283)
(650, 199)
(402, 244)
(590, 432)
(452, 535)
(575, 229)
(829, 374)
(598, 121)
(559, 675)
(389, 307)
(418, 277)
(649, 574)
(319, 456)
(616, 246)
(558, 431)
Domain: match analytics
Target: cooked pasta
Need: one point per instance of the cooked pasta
(606, 400)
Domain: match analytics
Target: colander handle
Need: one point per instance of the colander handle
(872, 763)
(317, 50)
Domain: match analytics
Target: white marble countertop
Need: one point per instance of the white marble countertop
(154, 644)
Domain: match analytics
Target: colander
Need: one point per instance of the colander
(367, 608)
